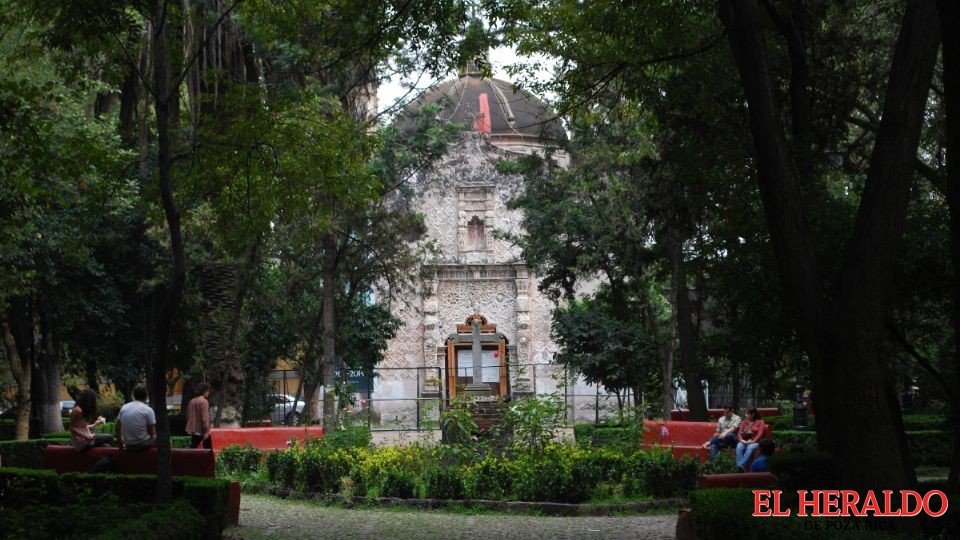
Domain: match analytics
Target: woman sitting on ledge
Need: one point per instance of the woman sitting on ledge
(752, 429)
(80, 435)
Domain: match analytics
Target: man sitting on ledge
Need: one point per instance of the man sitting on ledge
(136, 423)
(726, 435)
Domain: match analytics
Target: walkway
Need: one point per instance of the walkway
(263, 516)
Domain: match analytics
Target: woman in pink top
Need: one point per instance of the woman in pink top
(752, 429)
(80, 435)
(198, 418)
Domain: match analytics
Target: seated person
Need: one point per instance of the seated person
(752, 431)
(136, 423)
(726, 435)
(81, 437)
(766, 450)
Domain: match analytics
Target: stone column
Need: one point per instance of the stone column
(519, 371)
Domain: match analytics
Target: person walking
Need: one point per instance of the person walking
(198, 418)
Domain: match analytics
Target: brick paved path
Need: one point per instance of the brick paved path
(263, 516)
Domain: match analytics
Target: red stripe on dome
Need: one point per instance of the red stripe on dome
(482, 123)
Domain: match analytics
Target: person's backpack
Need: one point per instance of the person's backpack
(106, 464)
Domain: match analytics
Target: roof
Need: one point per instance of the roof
(489, 106)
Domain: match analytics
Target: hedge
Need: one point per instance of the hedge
(27, 454)
(47, 505)
(557, 473)
(609, 435)
(724, 513)
(911, 422)
(929, 447)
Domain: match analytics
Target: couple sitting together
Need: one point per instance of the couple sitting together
(746, 435)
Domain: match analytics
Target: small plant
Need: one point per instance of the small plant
(533, 421)
(457, 421)
(239, 461)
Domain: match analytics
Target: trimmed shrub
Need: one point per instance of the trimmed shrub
(27, 454)
(8, 429)
(489, 478)
(931, 447)
(723, 513)
(443, 483)
(282, 467)
(237, 460)
(548, 476)
(803, 470)
(658, 473)
(46, 503)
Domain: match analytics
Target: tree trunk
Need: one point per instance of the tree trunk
(174, 292)
(47, 402)
(855, 398)
(949, 21)
(686, 331)
(666, 348)
(328, 369)
(20, 368)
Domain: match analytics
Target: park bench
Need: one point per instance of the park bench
(262, 438)
(683, 438)
(737, 480)
(683, 415)
(183, 462)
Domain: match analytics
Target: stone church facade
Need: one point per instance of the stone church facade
(464, 199)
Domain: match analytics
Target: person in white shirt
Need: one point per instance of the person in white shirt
(726, 435)
(137, 423)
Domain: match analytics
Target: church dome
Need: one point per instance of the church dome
(486, 105)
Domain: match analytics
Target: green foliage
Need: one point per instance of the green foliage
(656, 472)
(43, 501)
(804, 470)
(625, 437)
(282, 467)
(724, 463)
(27, 454)
(235, 460)
(457, 422)
(532, 422)
(490, 478)
(927, 447)
(442, 482)
(719, 511)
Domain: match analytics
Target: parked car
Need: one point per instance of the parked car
(66, 406)
(284, 410)
(174, 402)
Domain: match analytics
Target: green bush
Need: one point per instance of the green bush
(924, 422)
(724, 513)
(390, 469)
(724, 463)
(46, 503)
(181, 441)
(27, 454)
(489, 478)
(785, 422)
(803, 470)
(237, 460)
(621, 436)
(8, 429)
(443, 483)
(321, 468)
(282, 467)
(931, 447)
(350, 437)
(548, 476)
(658, 473)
